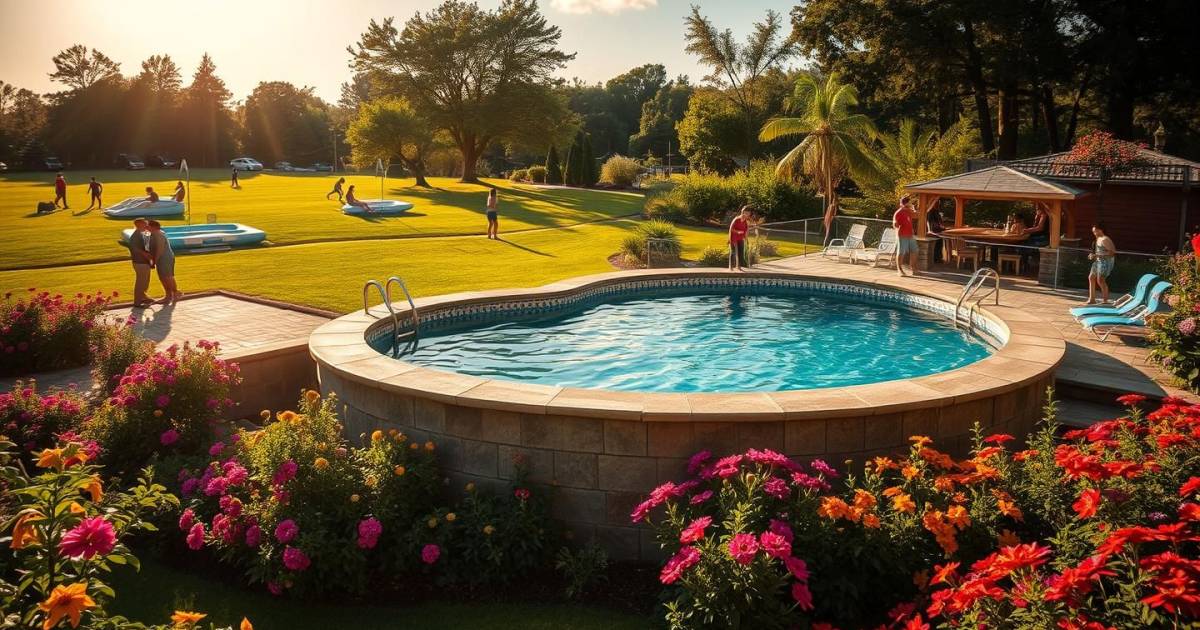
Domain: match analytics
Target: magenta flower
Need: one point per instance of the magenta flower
(92, 536)
(775, 545)
(777, 488)
(275, 588)
(168, 437)
(162, 401)
(287, 470)
(781, 528)
(687, 557)
(727, 466)
(186, 520)
(743, 548)
(295, 560)
(216, 448)
(189, 486)
(640, 511)
(522, 494)
(368, 532)
(701, 498)
(195, 538)
(286, 530)
(802, 595)
(697, 462)
(694, 531)
(231, 506)
(797, 567)
(430, 553)
(820, 466)
(253, 536)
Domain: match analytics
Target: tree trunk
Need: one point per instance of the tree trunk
(1050, 116)
(1075, 107)
(1118, 110)
(470, 155)
(979, 87)
(417, 168)
(1008, 121)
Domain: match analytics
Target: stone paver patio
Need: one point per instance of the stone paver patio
(238, 324)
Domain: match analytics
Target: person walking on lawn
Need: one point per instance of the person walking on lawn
(493, 229)
(337, 190)
(95, 190)
(233, 179)
(60, 191)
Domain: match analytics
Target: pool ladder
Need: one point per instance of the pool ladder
(978, 279)
(385, 289)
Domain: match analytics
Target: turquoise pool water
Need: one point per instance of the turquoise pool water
(733, 341)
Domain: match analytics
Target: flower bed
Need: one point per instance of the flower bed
(1101, 528)
(40, 331)
(1174, 334)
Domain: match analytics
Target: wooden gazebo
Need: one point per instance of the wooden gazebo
(999, 183)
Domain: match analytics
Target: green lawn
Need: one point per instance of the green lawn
(290, 208)
(158, 590)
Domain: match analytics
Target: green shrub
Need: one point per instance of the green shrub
(620, 171)
(519, 175)
(537, 174)
(583, 568)
(40, 331)
(666, 206)
(1175, 334)
(114, 349)
(710, 198)
(713, 257)
(35, 420)
(633, 246)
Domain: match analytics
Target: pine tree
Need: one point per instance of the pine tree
(590, 176)
(553, 169)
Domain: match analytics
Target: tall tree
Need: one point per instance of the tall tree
(823, 113)
(738, 67)
(656, 134)
(388, 129)
(630, 90)
(711, 132)
(481, 75)
(553, 168)
(161, 74)
(281, 121)
(79, 69)
(209, 126)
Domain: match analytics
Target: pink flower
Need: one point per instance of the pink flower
(253, 536)
(821, 467)
(775, 545)
(195, 538)
(190, 486)
(727, 466)
(781, 528)
(216, 448)
(162, 401)
(797, 567)
(168, 437)
(1130, 400)
(520, 493)
(275, 588)
(235, 473)
(430, 553)
(216, 486)
(701, 498)
(680, 562)
(368, 532)
(802, 595)
(186, 519)
(640, 511)
(286, 530)
(294, 559)
(287, 470)
(768, 457)
(777, 488)
(231, 506)
(743, 548)
(92, 536)
(697, 462)
(695, 531)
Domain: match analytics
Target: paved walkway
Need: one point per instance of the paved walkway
(1118, 365)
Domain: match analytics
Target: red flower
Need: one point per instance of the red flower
(1088, 503)
(694, 531)
(1189, 487)
(999, 438)
(944, 572)
(1189, 512)
(1130, 400)
(679, 563)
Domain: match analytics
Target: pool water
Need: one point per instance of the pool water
(730, 341)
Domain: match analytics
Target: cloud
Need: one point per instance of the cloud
(602, 6)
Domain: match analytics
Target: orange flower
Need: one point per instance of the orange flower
(919, 440)
(377, 436)
(833, 508)
(183, 618)
(1008, 538)
(882, 464)
(399, 470)
(943, 484)
(937, 458)
(66, 601)
(245, 625)
(429, 446)
(95, 488)
(77, 509)
(910, 472)
(871, 520)
(903, 503)
(312, 396)
(892, 491)
(921, 578)
(50, 458)
(1007, 506)
(321, 463)
(24, 533)
(864, 500)
(957, 516)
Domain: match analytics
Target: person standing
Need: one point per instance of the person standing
(162, 257)
(902, 220)
(60, 191)
(1103, 257)
(139, 254)
(738, 228)
(493, 219)
(337, 189)
(233, 179)
(934, 224)
(180, 192)
(95, 190)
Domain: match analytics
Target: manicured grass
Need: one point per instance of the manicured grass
(331, 275)
(290, 208)
(153, 594)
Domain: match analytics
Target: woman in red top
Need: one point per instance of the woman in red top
(737, 239)
(907, 243)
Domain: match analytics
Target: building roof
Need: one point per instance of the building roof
(997, 182)
(1157, 168)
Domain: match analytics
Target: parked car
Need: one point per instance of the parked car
(52, 164)
(284, 166)
(161, 161)
(3, 167)
(322, 167)
(245, 164)
(129, 161)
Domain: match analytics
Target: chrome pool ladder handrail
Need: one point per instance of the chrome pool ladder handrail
(386, 303)
(977, 280)
(412, 307)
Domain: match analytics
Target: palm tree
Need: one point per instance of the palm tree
(833, 136)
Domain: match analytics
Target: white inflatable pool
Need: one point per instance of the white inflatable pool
(139, 207)
(378, 206)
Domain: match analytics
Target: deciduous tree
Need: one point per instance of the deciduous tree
(389, 128)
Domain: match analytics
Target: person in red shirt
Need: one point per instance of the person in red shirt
(903, 220)
(737, 239)
(60, 191)
(95, 190)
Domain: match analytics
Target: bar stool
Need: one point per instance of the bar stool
(1015, 259)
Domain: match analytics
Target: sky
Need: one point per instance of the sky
(305, 42)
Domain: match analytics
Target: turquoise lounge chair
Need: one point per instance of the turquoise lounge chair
(1123, 306)
(1104, 325)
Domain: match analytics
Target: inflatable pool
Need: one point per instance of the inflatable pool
(139, 207)
(204, 235)
(378, 206)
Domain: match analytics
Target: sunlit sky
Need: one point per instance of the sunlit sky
(304, 42)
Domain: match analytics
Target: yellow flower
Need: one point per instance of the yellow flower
(910, 471)
(265, 414)
(321, 463)
(66, 601)
(429, 446)
(24, 533)
(288, 416)
(50, 458)
(470, 486)
(95, 488)
(312, 396)
(183, 618)
(488, 530)
(399, 470)
(376, 435)
(371, 481)
(451, 517)
(77, 509)
(158, 413)
(432, 522)
(354, 498)
(903, 503)
(245, 625)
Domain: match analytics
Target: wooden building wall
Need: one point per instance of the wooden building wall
(1139, 218)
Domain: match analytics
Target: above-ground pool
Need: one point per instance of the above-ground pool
(738, 339)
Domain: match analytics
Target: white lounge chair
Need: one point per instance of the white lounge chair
(885, 250)
(845, 247)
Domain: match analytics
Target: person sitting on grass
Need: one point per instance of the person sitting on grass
(354, 201)
(180, 192)
(337, 189)
(1103, 257)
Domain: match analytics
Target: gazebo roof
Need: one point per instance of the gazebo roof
(997, 182)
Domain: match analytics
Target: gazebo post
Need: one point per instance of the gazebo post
(922, 213)
(1055, 223)
(959, 204)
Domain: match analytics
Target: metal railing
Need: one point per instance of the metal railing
(664, 245)
(384, 290)
(976, 282)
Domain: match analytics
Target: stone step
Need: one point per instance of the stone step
(1075, 412)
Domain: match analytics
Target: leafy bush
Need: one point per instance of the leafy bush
(582, 568)
(1174, 335)
(713, 257)
(36, 421)
(115, 348)
(519, 175)
(666, 248)
(1099, 529)
(41, 332)
(66, 533)
(166, 404)
(633, 248)
(709, 198)
(537, 174)
(666, 207)
(620, 171)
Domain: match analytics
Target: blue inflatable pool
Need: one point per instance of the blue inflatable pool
(206, 235)
(381, 207)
